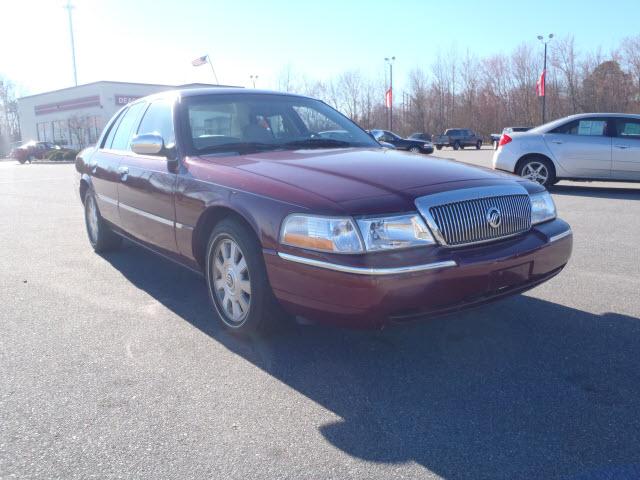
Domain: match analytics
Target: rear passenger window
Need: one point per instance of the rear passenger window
(589, 127)
(158, 119)
(124, 131)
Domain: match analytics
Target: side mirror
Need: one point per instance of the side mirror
(147, 144)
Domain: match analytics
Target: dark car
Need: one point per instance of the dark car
(244, 188)
(410, 145)
(458, 138)
(33, 151)
(425, 137)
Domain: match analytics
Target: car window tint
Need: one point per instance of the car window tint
(112, 131)
(158, 119)
(590, 127)
(124, 130)
(628, 128)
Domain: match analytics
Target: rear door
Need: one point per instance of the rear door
(626, 149)
(146, 189)
(582, 147)
(104, 173)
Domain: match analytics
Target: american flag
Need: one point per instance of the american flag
(199, 61)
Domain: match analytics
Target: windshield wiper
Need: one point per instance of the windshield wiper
(317, 143)
(240, 147)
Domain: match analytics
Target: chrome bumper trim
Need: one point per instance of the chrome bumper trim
(560, 236)
(367, 271)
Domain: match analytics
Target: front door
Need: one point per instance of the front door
(582, 148)
(146, 189)
(626, 149)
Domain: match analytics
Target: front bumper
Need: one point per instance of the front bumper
(369, 291)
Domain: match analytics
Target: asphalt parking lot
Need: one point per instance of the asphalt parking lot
(112, 366)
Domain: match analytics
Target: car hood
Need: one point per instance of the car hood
(353, 177)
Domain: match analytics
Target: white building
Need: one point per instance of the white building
(75, 116)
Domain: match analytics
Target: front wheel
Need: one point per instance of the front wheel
(538, 169)
(414, 150)
(456, 146)
(237, 280)
(100, 234)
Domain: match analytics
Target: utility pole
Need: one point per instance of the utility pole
(70, 7)
(544, 72)
(390, 61)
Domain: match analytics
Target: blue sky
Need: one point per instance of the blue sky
(155, 41)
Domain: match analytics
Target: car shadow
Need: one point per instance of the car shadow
(622, 193)
(523, 388)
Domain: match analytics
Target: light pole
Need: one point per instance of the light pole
(253, 78)
(545, 41)
(70, 7)
(390, 61)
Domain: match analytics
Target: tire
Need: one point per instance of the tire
(438, 147)
(22, 161)
(237, 282)
(495, 145)
(414, 150)
(478, 145)
(101, 237)
(456, 145)
(538, 169)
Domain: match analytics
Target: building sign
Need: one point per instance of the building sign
(74, 104)
(124, 99)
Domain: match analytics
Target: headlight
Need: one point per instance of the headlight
(427, 145)
(327, 234)
(400, 231)
(542, 208)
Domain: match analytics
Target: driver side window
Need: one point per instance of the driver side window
(158, 119)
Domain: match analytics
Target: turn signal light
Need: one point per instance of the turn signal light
(504, 139)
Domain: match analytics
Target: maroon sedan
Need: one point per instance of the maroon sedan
(248, 188)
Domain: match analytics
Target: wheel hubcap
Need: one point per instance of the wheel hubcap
(536, 171)
(92, 219)
(231, 282)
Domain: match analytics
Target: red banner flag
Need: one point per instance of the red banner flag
(540, 84)
(388, 98)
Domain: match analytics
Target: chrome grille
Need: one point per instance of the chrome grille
(460, 217)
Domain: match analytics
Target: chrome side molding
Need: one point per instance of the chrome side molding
(367, 271)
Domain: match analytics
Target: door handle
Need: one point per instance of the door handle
(621, 147)
(124, 172)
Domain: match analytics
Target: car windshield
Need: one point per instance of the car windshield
(257, 122)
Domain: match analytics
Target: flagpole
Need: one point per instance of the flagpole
(212, 69)
(544, 81)
(543, 85)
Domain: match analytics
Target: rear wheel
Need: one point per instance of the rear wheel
(537, 169)
(100, 234)
(456, 146)
(478, 144)
(237, 279)
(438, 147)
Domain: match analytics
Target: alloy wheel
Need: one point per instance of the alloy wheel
(92, 219)
(536, 171)
(231, 281)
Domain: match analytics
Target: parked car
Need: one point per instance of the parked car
(238, 185)
(425, 137)
(410, 145)
(495, 137)
(33, 150)
(458, 138)
(588, 146)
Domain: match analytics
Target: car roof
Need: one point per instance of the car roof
(195, 92)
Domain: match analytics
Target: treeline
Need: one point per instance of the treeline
(487, 94)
